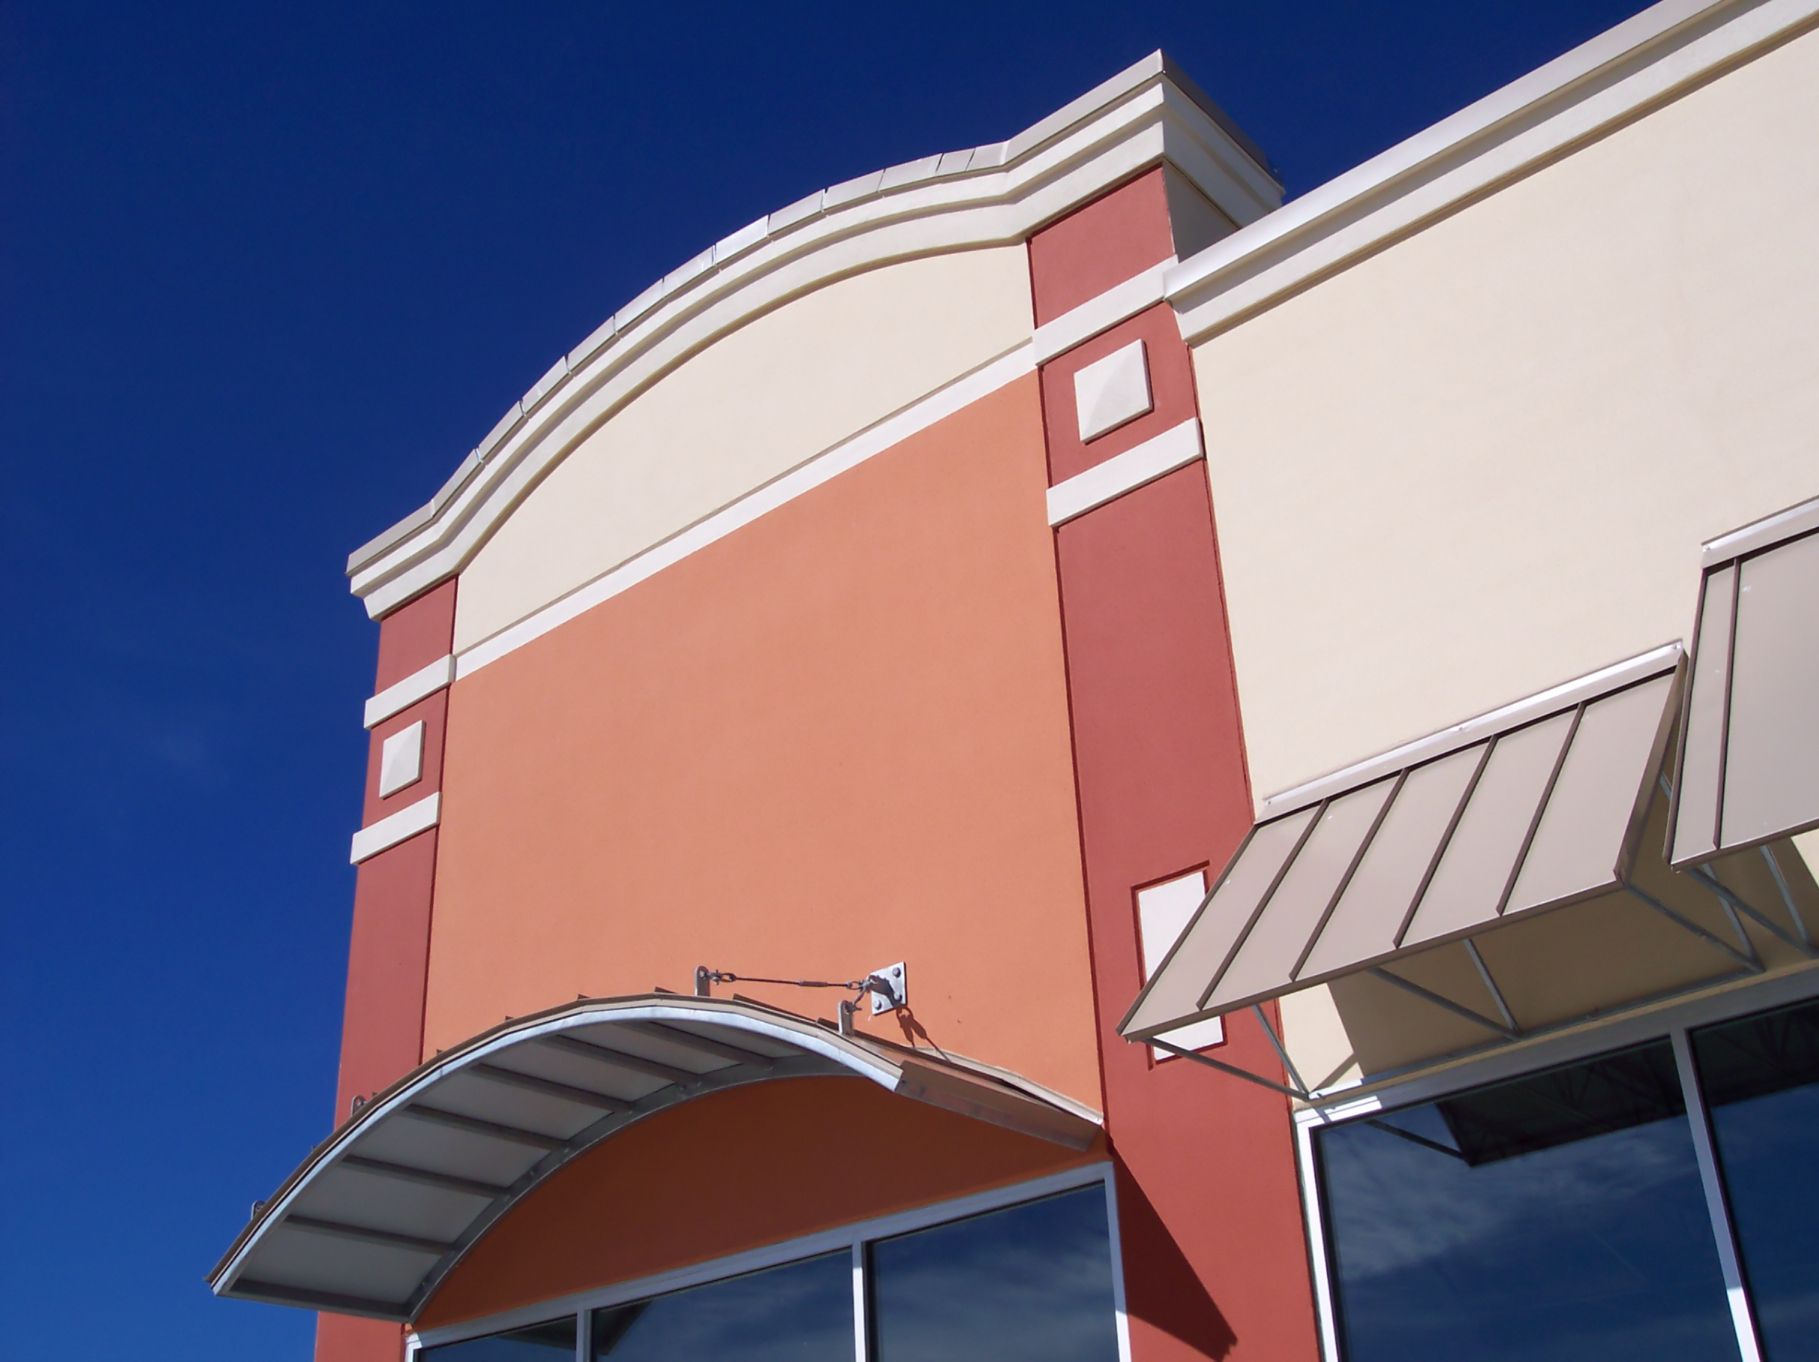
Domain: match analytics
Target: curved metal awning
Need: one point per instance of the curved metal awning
(378, 1214)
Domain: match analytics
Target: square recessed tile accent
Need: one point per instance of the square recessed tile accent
(1110, 391)
(401, 760)
(1163, 912)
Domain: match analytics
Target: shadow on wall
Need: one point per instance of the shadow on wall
(1168, 1294)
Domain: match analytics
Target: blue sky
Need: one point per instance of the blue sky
(265, 276)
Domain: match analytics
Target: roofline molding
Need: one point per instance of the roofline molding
(985, 196)
(1614, 78)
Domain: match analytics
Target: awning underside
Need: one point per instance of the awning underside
(1507, 882)
(376, 1217)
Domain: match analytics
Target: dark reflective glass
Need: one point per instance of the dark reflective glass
(539, 1343)
(1761, 1082)
(1555, 1218)
(1032, 1282)
(802, 1312)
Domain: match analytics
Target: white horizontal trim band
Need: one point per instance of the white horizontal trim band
(891, 431)
(419, 685)
(1118, 303)
(1603, 82)
(395, 828)
(1174, 448)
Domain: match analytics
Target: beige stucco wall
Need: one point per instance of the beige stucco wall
(751, 406)
(1483, 461)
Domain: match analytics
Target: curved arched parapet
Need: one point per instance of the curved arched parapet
(377, 1215)
(988, 196)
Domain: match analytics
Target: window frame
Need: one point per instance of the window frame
(854, 1238)
(1673, 1022)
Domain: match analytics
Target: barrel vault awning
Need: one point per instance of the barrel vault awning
(1434, 873)
(1749, 739)
(378, 1214)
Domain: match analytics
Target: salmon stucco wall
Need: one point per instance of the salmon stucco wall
(672, 1191)
(835, 739)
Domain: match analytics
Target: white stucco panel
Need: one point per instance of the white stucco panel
(753, 405)
(1482, 461)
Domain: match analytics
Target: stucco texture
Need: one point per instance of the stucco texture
(835, 739)
(1482, 461)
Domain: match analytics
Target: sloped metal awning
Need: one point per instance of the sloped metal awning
(1430, 878)
(378, 1214)
(1749, 742)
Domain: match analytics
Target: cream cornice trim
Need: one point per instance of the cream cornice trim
(988, 196)
(395, 828)
(1174, 448)
(850, 453)
(419, 685)
(1602, 83)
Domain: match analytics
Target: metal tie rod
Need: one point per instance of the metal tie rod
(1444, 1003)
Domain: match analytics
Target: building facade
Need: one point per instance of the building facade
(1043, 755)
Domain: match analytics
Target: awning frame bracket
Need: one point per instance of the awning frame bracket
(1490, 984)
(1787, 895)
(1751, 962)
(1736, 903)
(1444, 1003)
(1233, 1070)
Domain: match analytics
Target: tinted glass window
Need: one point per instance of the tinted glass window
(1760, 1077)
(538, 1343)
(1032, 1282)
(1556, 1217)
(802, 1312)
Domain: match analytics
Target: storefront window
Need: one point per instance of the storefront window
(1556, 1217)
(1760, 1077)
(1031, 1282)
(539, 1343)
(802, 1312)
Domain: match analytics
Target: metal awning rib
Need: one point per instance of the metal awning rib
(380, 1212)
(1523, 810)
(1749, 744)
(1422, 888)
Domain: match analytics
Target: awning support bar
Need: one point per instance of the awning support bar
(1288, 1065)
(473, 1125)
(398, 1172)
(336, 1229)
(1787, 894)
(1484, 973)
(1445, 1003)
(1231, 1069)
(1732, 899)
(1747, 960)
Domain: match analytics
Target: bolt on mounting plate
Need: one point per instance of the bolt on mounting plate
(890, 988)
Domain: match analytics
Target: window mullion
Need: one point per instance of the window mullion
(862, 1346)
(1743, 1313)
